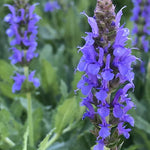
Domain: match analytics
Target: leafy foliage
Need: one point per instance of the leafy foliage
(55, 105)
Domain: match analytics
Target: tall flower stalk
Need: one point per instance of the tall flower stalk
(141, 29)
(108, 76)
(23, 33)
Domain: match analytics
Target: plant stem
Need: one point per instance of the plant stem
(52, 140)
(30, 122)
(108, 117)
(29, 111)
(10, 142)
(108, 100)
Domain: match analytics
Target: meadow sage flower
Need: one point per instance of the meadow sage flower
(23, 33)
(108, 75)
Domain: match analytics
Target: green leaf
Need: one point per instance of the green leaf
(49, 77)
(133, 147)
(67, 113)
(16, 109)
(6, 89)
(43, 144)
(83, 141)
(141, 139)
(6, 71)
(140, 107)
(4, 117)
(47, 53)
(25, 139)
(48, 32)
(58, 146)
(72, 32)
(142, 124)
(63, 89)
(37, 123)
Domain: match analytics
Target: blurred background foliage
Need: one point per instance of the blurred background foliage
(55, 106)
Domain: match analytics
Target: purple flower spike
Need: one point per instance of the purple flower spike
(23, 32)
(29, 39)
(106, 66)
(141, 29)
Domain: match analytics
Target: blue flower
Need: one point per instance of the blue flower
(18, 81)
(107, 72)
(101, 95)
(117, 111)
(104, 111)
(51, 6)
(99, 146)
(145, 43)
(17, 56)
(35, 81)
(123, 131)
(104, 131)
(92, 22)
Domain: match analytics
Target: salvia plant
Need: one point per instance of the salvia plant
(23, 33)
(141, 29)
(108, 76)
(38, 107)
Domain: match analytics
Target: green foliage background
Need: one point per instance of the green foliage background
(56, 109)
